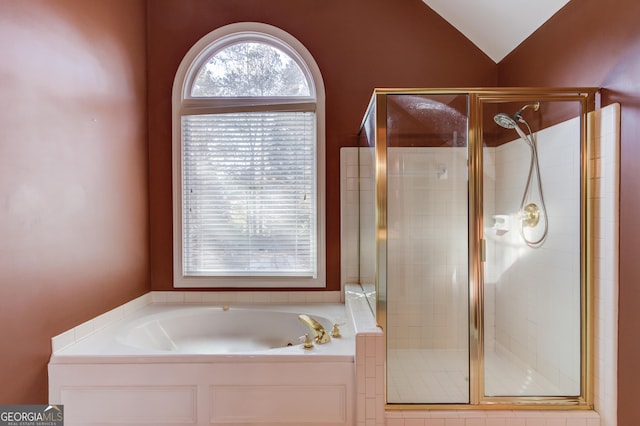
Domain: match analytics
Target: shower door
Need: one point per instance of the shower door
(533, 216)
(427, 250)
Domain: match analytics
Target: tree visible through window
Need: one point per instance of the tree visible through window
(250, 69)
(249, 184)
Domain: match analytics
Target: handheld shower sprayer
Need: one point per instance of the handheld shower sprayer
(529, 213)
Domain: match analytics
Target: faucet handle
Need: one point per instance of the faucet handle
(307, 344)
(335, 332)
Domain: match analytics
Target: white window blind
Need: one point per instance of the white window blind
(249, 194)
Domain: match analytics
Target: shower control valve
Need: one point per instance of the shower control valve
(530, 215)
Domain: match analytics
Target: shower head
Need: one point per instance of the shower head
(511, 121)
(504, 120)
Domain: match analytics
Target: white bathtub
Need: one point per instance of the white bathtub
(182, 364)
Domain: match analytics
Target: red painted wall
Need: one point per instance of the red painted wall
(595, 43)
(358, 45)
(73, 175)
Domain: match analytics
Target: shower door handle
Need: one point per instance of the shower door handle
(483, 250)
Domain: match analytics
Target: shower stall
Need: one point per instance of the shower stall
(475, 244)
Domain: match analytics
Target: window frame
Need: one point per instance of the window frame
(185, 104)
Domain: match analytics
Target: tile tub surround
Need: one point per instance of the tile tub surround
(370, 358)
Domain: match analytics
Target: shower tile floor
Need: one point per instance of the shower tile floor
(427, 376)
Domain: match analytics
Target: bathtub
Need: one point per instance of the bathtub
(177, 364)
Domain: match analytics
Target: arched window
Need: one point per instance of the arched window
(248, 162)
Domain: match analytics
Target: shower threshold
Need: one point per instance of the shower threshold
(436, 376)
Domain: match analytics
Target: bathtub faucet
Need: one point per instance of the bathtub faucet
(320, 335)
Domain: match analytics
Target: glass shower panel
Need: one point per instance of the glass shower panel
(532, 228)
(427, 249)
(367, 204)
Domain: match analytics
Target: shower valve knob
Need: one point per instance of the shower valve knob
(530, 215)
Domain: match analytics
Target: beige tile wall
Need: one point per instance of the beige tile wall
(537, 290)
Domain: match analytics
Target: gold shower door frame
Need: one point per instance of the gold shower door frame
(477, 98)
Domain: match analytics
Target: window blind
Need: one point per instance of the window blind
(249, 194)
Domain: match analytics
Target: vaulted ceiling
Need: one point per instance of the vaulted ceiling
(496, 26)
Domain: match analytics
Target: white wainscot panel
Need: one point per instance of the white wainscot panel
(309, 393)
(125, 405)
(297, 405)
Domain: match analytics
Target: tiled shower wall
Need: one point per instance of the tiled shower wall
(427, 242)
(427, 248)
(536, 291)
(605, 190)
(523, 324)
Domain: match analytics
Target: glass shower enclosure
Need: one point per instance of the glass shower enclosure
(475, 244)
